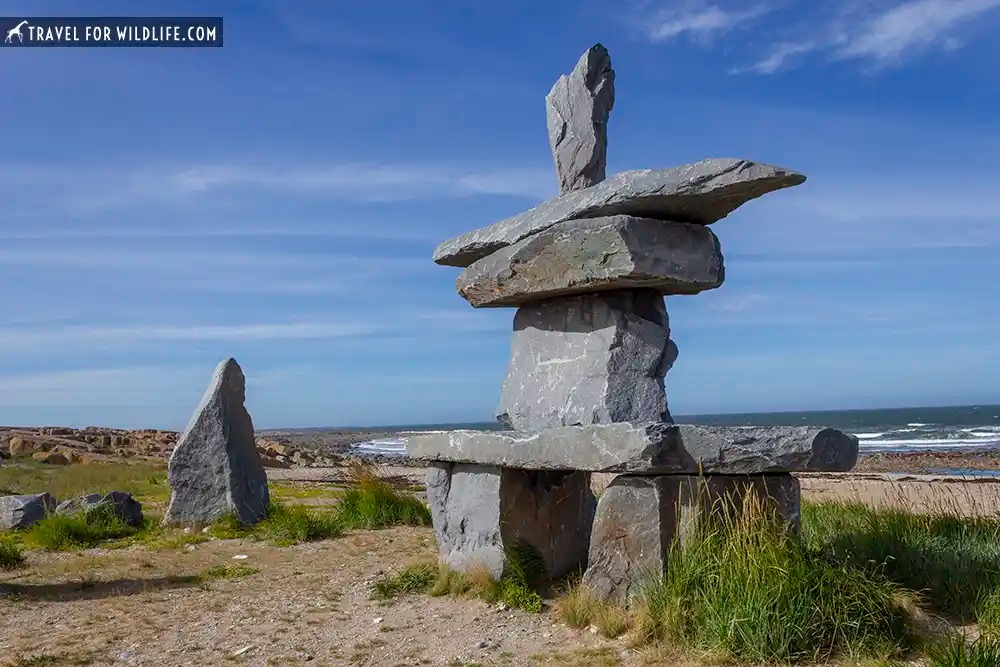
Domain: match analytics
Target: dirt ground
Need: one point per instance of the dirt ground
(308, 604)
(311, 604)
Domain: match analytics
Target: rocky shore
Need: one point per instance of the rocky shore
(327, 447)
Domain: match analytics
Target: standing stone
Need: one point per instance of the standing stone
(577, 110)
(215, 468)
(479, 512)
(589, 359)
(25, 511)
(640, 518)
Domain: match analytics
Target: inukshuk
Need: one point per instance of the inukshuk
(584, 391)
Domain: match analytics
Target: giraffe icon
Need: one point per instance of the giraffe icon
(16, 30)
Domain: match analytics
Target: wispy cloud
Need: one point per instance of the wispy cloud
(698, 19)
(881, 37)
(42, 189)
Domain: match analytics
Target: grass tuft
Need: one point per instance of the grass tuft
(286, 525)
(989, 616)
(58, 532)
(11, 555)
(417, 578)
(579, 608)
(956, 652)
(374, 503)
(747, 589)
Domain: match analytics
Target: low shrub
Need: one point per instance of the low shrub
(417, 578)
(11, 555)
(287, 525)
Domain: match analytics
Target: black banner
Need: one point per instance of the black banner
(152, 31)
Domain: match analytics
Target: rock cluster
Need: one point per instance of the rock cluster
(23, 511)
(585, 388)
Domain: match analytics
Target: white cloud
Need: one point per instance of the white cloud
(125, 387)
(699, 20)
(910, 27)
(42, 189)
(883, 37)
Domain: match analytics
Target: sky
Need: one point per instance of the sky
(278, 200)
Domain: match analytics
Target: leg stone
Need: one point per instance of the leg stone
(478, 511)
(639, 518)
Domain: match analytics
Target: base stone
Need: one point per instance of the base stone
(480, 511)
(640, 518)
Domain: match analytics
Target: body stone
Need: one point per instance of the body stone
(588, 359)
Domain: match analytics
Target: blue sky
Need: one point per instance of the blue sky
(278, 200)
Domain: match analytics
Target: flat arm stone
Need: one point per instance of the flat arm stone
(648, 448)
(702, 193)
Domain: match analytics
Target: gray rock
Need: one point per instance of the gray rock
(480, 512)
(640, 518)
(122, 504)
(215, 468)
(701, 193)
(595, 358)
(576, 112)
(597, 254)
(650, 448)
(25, 511)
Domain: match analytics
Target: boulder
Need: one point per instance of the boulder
(648, 448)
(596, 358)
(577, 110)
(701, 193)
(121, 504)
(52, 458)
(25, 511)
(481, 512)
(215, 468)
(597, 254)
(640, 518)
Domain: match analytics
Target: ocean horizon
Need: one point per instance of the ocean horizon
(884, 429)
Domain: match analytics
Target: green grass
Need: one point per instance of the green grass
(147, 483)
(289, 524)
(373, 503)
(516, 588)
(954, 651)
(414, 579)
(11, 555)
(989, 615)
(750, 591)
(953, 561)
(58, 532)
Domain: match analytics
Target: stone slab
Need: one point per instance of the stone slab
(25, 510)
(576, 113)
(215, 468)
(480, 512)
(703, 192)
(597, 254)
(595, 358)
(120, 503)
(641, 518)
(648, 448)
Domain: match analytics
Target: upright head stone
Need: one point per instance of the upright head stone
(577, 110)
(215, 468)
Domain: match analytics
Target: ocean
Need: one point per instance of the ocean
(885, 430)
